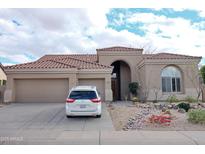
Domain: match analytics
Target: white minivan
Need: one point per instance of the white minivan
(83, 101)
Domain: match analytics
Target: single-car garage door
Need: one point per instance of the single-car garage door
(41, 90)
(99, 83)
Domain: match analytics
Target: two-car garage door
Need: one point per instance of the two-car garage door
(50, 90)
(41, 90)
(99, 83)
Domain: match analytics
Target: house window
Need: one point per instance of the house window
(4, 82)
(171, 79)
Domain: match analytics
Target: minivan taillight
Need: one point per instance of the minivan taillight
(95, 100)
(70, 100)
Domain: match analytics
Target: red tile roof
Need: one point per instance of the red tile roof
(61, 61)
(119, 48)
(168, 56)
(86, 61)
(85, 57)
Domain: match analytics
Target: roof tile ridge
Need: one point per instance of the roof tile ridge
(85, 61)
(179, 54)
(66, 56)
(134, 48)
(72, 66)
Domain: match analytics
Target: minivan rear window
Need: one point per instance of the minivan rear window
(83, 95)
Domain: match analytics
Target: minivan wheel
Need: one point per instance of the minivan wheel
(98, 116)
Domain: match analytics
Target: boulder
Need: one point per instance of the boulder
(194, 106)
(181, 111)
(169, 106)
(202, 105)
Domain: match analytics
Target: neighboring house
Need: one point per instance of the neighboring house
(111, 70)
(2, 82)
(2, 75)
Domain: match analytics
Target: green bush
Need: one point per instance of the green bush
(197, 116)
(133, 87)
(190, 99)
(202, 71)
(172, 99)
(184, 106)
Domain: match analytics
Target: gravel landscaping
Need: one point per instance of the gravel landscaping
(137, 117)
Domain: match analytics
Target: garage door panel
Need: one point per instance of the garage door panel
(99, 83)
(41, 90)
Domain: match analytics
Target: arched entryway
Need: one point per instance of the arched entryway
(121, 77)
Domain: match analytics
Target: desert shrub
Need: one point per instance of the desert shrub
(197, 116)
(184, 106)
(133, 87)
(155, 101)
(190, 99)
(172, 99)
(135, 99)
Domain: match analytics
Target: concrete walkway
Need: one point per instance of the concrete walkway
(112, 137)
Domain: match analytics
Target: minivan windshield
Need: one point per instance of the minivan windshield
(83, 95)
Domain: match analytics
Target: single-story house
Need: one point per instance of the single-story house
(2, 75)
(111, 69)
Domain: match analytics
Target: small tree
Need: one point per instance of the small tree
(133, 87)
(202, 71)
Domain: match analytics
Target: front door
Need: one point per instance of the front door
(115, 89)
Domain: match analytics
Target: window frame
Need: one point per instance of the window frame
(176, 79)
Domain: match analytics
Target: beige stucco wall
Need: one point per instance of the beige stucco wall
(130, 57)
(150, 71)
(2, 75)
(72, 75)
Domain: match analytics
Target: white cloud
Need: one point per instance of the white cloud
(174, 34)
(45, 31)
(202, 13)
(55, 31)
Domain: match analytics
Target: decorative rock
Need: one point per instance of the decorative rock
(194, 106)
(202, 105)
(169, 106)
(138, 121)
(163, 106)
(181, 111)
(167, 112)
(174, 106)
(164, 109)
(157, 106)
(144, 106)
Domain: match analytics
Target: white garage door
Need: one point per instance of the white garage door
(41, 90)
(99, 83)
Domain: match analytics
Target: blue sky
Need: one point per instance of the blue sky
(27, 34)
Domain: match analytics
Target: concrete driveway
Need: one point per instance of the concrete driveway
(26, 123)
(47, 124)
